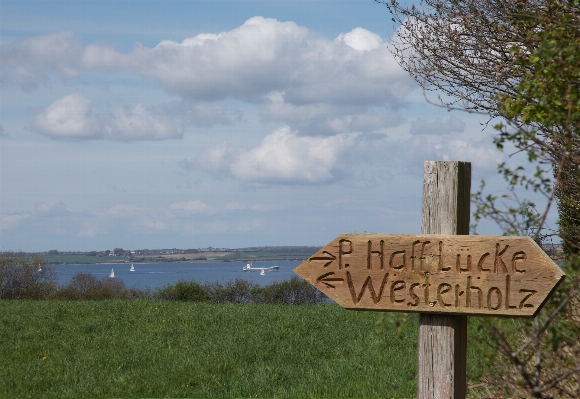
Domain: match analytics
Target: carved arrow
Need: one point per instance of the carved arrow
(330, 258)
(326, 280)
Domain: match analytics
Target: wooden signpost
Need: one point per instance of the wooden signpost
(443, 274)
(472, 275)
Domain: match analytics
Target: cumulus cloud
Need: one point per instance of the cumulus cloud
(136, 122)
(29, 62)
(437, 126)
(361, 39)
(27, 78)
(283, 157)
(74, 117)
(217, 160)
(330, 119)
(482, 155)
(317, 86)
(261, 56)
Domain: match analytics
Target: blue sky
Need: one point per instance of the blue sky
(187, 124)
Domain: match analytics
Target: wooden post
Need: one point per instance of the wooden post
(442, 338)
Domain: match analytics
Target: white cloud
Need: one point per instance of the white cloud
(51, 49)
(248, 62)
(71, 117)
(315, 85)
(320, 118)
(136, 122)
(26, 77)
(74, 117)
(482, 155)
(27, 63)
(283, 157)
(208, 115)
(361, 39)
(217, 160)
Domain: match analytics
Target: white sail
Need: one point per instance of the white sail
(112, 275)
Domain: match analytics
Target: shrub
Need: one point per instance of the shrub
(237, 291)
(295, 291)
(85, 286)
(292, 292)
(25, 277)
(189, 291)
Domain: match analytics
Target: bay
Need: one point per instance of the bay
(157, 275)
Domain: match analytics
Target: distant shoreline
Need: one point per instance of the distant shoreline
(154, 261)
(254, 254)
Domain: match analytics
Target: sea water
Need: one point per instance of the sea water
(156, 275)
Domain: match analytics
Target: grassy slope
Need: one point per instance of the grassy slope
(163, 349)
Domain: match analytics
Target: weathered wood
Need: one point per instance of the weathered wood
(446, 197)
(443, 339)
(442, 356)
(445, 274)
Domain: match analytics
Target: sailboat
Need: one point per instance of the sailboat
(112, 275)
(262, 272)
(132, 269)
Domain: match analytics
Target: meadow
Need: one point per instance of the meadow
(147, 348)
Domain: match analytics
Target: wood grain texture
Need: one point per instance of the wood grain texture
(444, 274)
(446, 197)
(443, 339)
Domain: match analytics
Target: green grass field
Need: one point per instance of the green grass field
(175, 349)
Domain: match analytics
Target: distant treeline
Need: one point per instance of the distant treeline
(173, 251)
(120, 255)
(286, 250)
(270, 253)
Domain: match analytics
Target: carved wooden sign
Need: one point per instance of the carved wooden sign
(478, 275)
